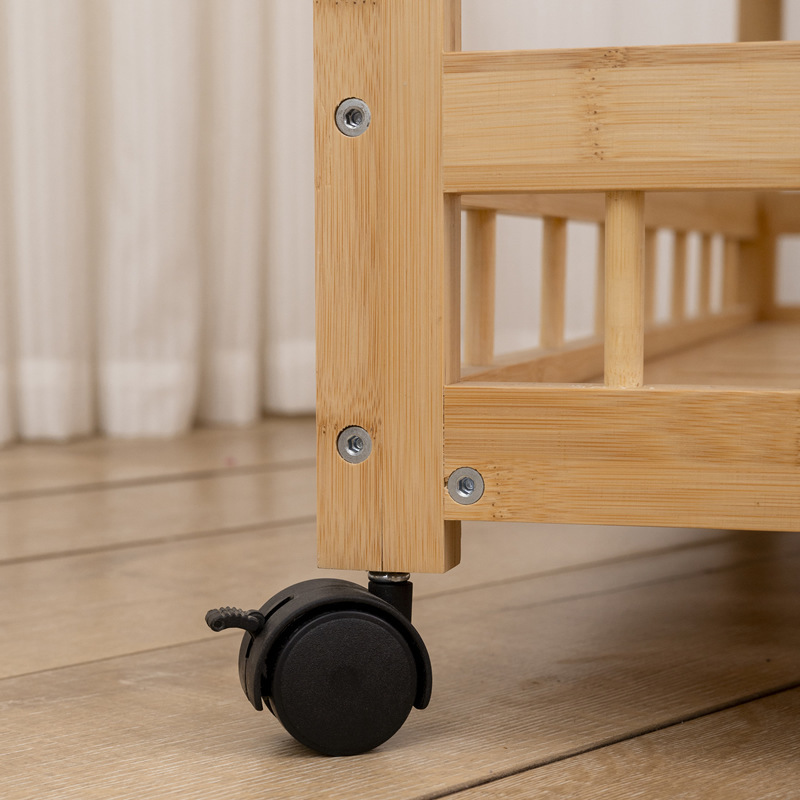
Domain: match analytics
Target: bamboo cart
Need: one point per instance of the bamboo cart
(690, 422)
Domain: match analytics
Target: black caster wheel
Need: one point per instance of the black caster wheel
(337, 665)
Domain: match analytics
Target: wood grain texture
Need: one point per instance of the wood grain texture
(677, 761)
(479, 291)
(385, 276)
(730, 213)
(39, 468)
(692, 456)
(624, 268)
(582, 360)
(525, 671)
(719, 116)
(553, 296)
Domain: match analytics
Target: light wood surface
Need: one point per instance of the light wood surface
(689, 456)
(553, 296)
(624, 270)
(548, 641)
(386, 268)
(566, 120)
(582, 360)
(480, 287)
(729, 213)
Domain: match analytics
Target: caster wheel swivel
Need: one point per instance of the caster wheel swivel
(340, 666)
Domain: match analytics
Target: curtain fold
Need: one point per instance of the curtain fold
(155, 270)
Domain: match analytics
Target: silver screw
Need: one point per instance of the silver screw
(353, 116)
(465, 485)
(354, 444)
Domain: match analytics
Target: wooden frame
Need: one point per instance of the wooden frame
(563, 135)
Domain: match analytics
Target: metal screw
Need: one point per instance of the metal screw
(465, 485)
(354, 444)
(353, 116)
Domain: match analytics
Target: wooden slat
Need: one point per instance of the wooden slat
(480, 287)
(554, 282)
(678, 296)
(600, 283)
(757, 741)
(386, 274)
(650, 273)
(729, 213)
(583, 359)
(624, 318)
(730, 273)
(526, 670)
(705, 274)
(688, 117)
(760, 20)
(727, 458)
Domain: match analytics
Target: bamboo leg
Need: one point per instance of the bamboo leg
(650, 266)
(730, 274)
(554, 283)
(600, 284)
(624, 341)
(480, 288)
(705, 274)
(679, 277)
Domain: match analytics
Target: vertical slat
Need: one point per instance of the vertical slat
(705, 274)
(600, 284)
(387, 249)
(650, 268)
(679, 277)
(760, 20)
(730, 273)
(624, 341)
(480, 287)
(554, 281)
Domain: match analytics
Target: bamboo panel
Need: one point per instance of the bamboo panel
(730, 213)
(724, 458)
(387, 268)
(691, 117)
(480, 287)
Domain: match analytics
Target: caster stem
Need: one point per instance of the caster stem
(394, 588)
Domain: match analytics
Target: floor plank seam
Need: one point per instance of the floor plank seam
(153, 480)
(160, 540)
(645, 731)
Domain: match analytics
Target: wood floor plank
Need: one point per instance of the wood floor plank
(155, 595)
(45, 467)
(35, 527)
(524, 672)
(749, 751)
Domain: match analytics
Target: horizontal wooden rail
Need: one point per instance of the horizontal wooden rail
(582, 360)
(677, 456)
(721, 116)
(728, 213)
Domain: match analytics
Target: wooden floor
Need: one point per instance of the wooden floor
(568, 661)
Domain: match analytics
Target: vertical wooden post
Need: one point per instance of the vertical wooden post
(387, 285)
(679, 277)
(624, 345)
(600, 284)
(554, 282)
(650, 270)
(759, 21)
(480, 287)
(730, 273)
(705, 274)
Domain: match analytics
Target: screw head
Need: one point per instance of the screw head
(354, 444)
(465, 485)
(353, 117)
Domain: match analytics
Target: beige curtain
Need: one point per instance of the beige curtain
(156, 214)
